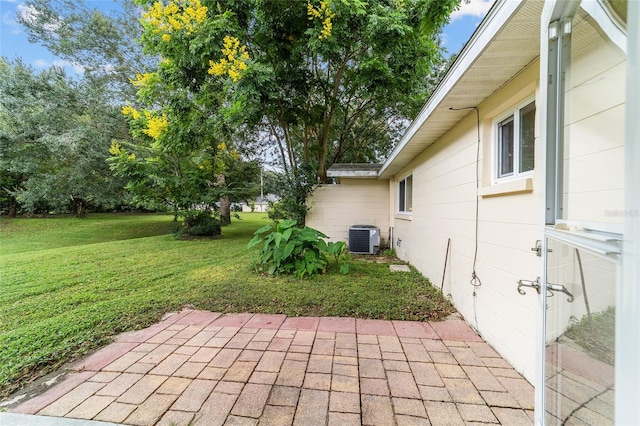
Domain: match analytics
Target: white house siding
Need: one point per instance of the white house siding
(335, 208)
(444, 202)
(258, 207)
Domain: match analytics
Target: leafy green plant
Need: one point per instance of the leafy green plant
(388, 252)
(293, 192)
(198, 223)
(338, 251)
(290, 249)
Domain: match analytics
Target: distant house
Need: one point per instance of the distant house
(260, 204)
(508, 190)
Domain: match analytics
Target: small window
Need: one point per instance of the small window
(516, 142)
(405, 189)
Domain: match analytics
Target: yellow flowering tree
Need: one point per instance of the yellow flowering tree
(323, 14)
(177, 16)
(233, 62)
(175, 157)
(309, 82)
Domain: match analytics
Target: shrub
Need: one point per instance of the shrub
(198, 223)
(290, 249)
(294, 193)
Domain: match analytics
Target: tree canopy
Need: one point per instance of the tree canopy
(55, 133)
(302, 84)
(105, 44)
(314, 82)
(305, 83)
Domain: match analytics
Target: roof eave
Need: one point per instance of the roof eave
(497, 17)
(353, 174)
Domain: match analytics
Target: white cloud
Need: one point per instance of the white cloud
(78, 69)
(476, 8)
(30, 14)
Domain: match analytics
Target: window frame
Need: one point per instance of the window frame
(513, 115)
(407, 197)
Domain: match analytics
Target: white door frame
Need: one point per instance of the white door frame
(552, 11)
(628, 303)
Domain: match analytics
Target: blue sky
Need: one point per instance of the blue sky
(463, 23)
(13, 39)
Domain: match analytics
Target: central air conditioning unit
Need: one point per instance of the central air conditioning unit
(364, 239)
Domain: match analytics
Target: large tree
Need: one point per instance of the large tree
(309, 83)
(180, 154)
(103, 42)
(106, 43)
(318, 81)
(55, 133)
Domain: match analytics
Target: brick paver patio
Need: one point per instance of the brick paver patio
(236, 369)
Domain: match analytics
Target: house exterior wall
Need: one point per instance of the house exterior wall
(335, 208)
(444, 206)
(258, 207)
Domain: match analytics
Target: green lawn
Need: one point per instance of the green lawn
(67, 286)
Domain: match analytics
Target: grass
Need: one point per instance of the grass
(67, 286)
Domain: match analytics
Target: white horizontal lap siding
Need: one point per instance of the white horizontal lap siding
(335, 208)
(444, 200)
(443, 187)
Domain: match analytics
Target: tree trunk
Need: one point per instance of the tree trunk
(80, 207)
(13, 207)
(328, 121)
(225, 211)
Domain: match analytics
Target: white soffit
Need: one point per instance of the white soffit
(506, 41)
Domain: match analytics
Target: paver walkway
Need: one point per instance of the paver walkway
(236, 369)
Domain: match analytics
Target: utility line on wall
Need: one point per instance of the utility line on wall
(475, 279)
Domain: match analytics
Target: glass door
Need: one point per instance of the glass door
(585, 212)
(580, 333)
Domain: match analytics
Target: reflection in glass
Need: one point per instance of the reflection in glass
(527, 137)
(594, 100)
(580, 351)
(506, 147)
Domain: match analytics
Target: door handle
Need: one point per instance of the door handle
(527, 283)
(561, 289)
(538, 249)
